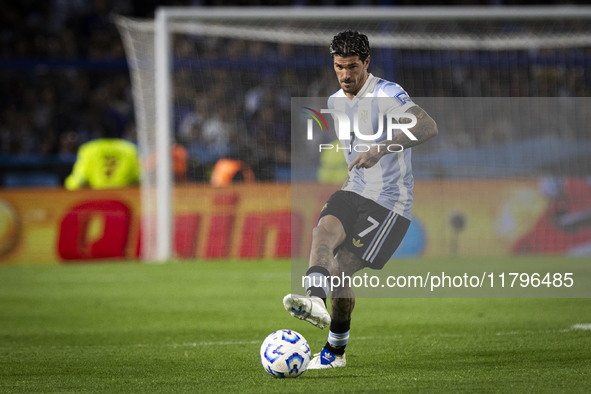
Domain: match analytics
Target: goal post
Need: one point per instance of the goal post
(164, 206)
(150, 49)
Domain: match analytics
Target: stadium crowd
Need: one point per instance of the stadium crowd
(64, 78)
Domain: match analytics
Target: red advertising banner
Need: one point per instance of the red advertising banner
(51, 226)
(466, 218)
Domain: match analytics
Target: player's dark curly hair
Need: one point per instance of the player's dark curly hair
(350, 43)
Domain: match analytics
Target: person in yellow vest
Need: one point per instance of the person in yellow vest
(333, 168)
(105, 163)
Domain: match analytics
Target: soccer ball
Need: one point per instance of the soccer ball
(285, 354)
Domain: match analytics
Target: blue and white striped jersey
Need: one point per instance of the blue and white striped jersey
(390, 181)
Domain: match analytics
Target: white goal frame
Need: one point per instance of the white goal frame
(180, 19)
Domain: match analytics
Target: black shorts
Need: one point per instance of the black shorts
(373, 232)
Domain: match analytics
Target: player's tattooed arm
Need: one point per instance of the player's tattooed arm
(366, 159)
(424, 130)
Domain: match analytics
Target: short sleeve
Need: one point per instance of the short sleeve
(399, 99)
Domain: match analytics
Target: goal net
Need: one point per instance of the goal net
(508, 88)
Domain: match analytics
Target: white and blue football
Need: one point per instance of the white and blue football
(285, 354)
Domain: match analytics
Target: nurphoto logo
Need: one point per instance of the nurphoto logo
(344, 129)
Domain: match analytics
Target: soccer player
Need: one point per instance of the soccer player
(105, 163)
(362, 224)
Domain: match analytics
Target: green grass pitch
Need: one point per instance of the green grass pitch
(197, 327)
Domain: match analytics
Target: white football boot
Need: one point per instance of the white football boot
(311, 309)
(325, 359)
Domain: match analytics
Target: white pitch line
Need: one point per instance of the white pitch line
(509, 333)
(574, 327)
(195, 344)
(571, 328)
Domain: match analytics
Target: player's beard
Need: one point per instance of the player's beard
(350, 88)
(355, 86)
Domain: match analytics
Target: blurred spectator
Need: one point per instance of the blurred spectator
(227, 171)
(192, 122)
(323, 85)
(269, 145)
(269, 92)
(180, 163)
(180, 158)
(68, 143)
(212, 140)
(238, 94)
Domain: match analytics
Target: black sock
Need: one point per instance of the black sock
(339, 336)
(317, 285)
(336, 350)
